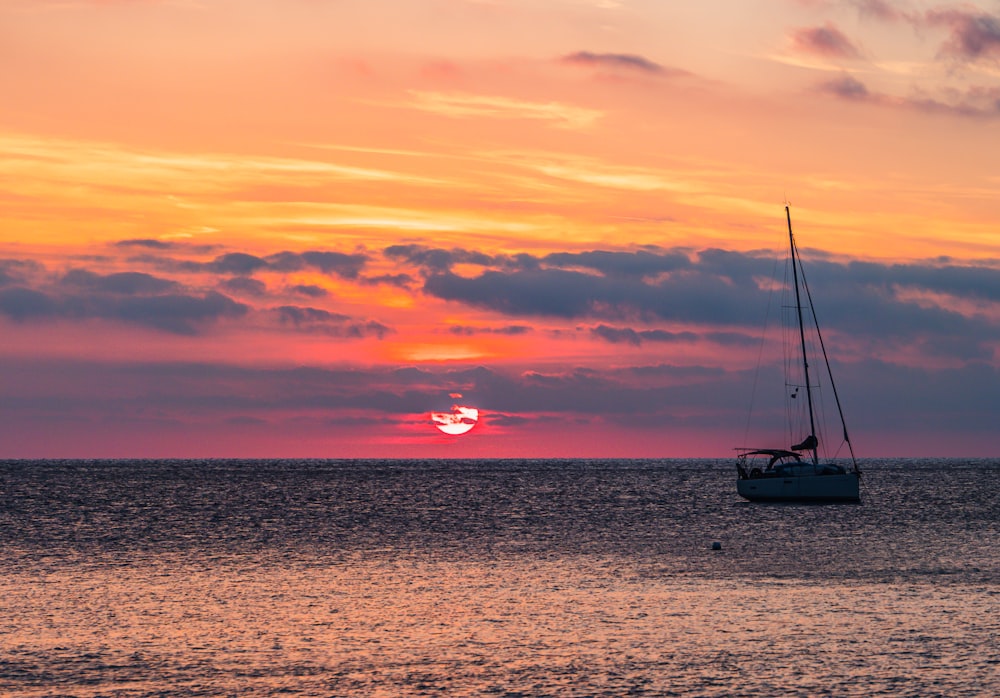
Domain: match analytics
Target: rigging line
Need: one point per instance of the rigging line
(829, 372)
(760, 350)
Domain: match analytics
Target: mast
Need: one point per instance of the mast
(802, 335)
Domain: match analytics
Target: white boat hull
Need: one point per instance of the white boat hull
(802, 488)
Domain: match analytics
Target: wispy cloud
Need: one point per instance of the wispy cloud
(598, 172)
(508, 330)
(146, 242)
(882, 10)
(96, 165)
(627, 335)
(463, 105)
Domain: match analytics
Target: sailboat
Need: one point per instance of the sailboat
(795, 473)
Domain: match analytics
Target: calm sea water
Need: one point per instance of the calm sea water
(492, 578)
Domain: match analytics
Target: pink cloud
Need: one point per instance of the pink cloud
(827, 41)
(974, 37)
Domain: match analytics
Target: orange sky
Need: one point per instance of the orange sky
(293, 228)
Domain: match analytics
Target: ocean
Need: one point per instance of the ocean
(506, 578)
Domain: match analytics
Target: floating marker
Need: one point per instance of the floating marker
(716, 545)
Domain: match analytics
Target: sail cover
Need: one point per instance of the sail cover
(807, 444)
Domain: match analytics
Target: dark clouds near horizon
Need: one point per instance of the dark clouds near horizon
(626, 296)
(127, 297)
(29, 294)
(718, 288)
(652, 297)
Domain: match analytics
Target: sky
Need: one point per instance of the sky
(300, 228)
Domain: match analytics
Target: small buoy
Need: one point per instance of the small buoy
(716, 545)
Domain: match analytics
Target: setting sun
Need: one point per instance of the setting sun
(459, 420)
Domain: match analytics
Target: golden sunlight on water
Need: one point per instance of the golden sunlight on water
(388, 625)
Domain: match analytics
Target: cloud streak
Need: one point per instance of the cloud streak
(621, 62)
(332, 324)
(463, 106)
